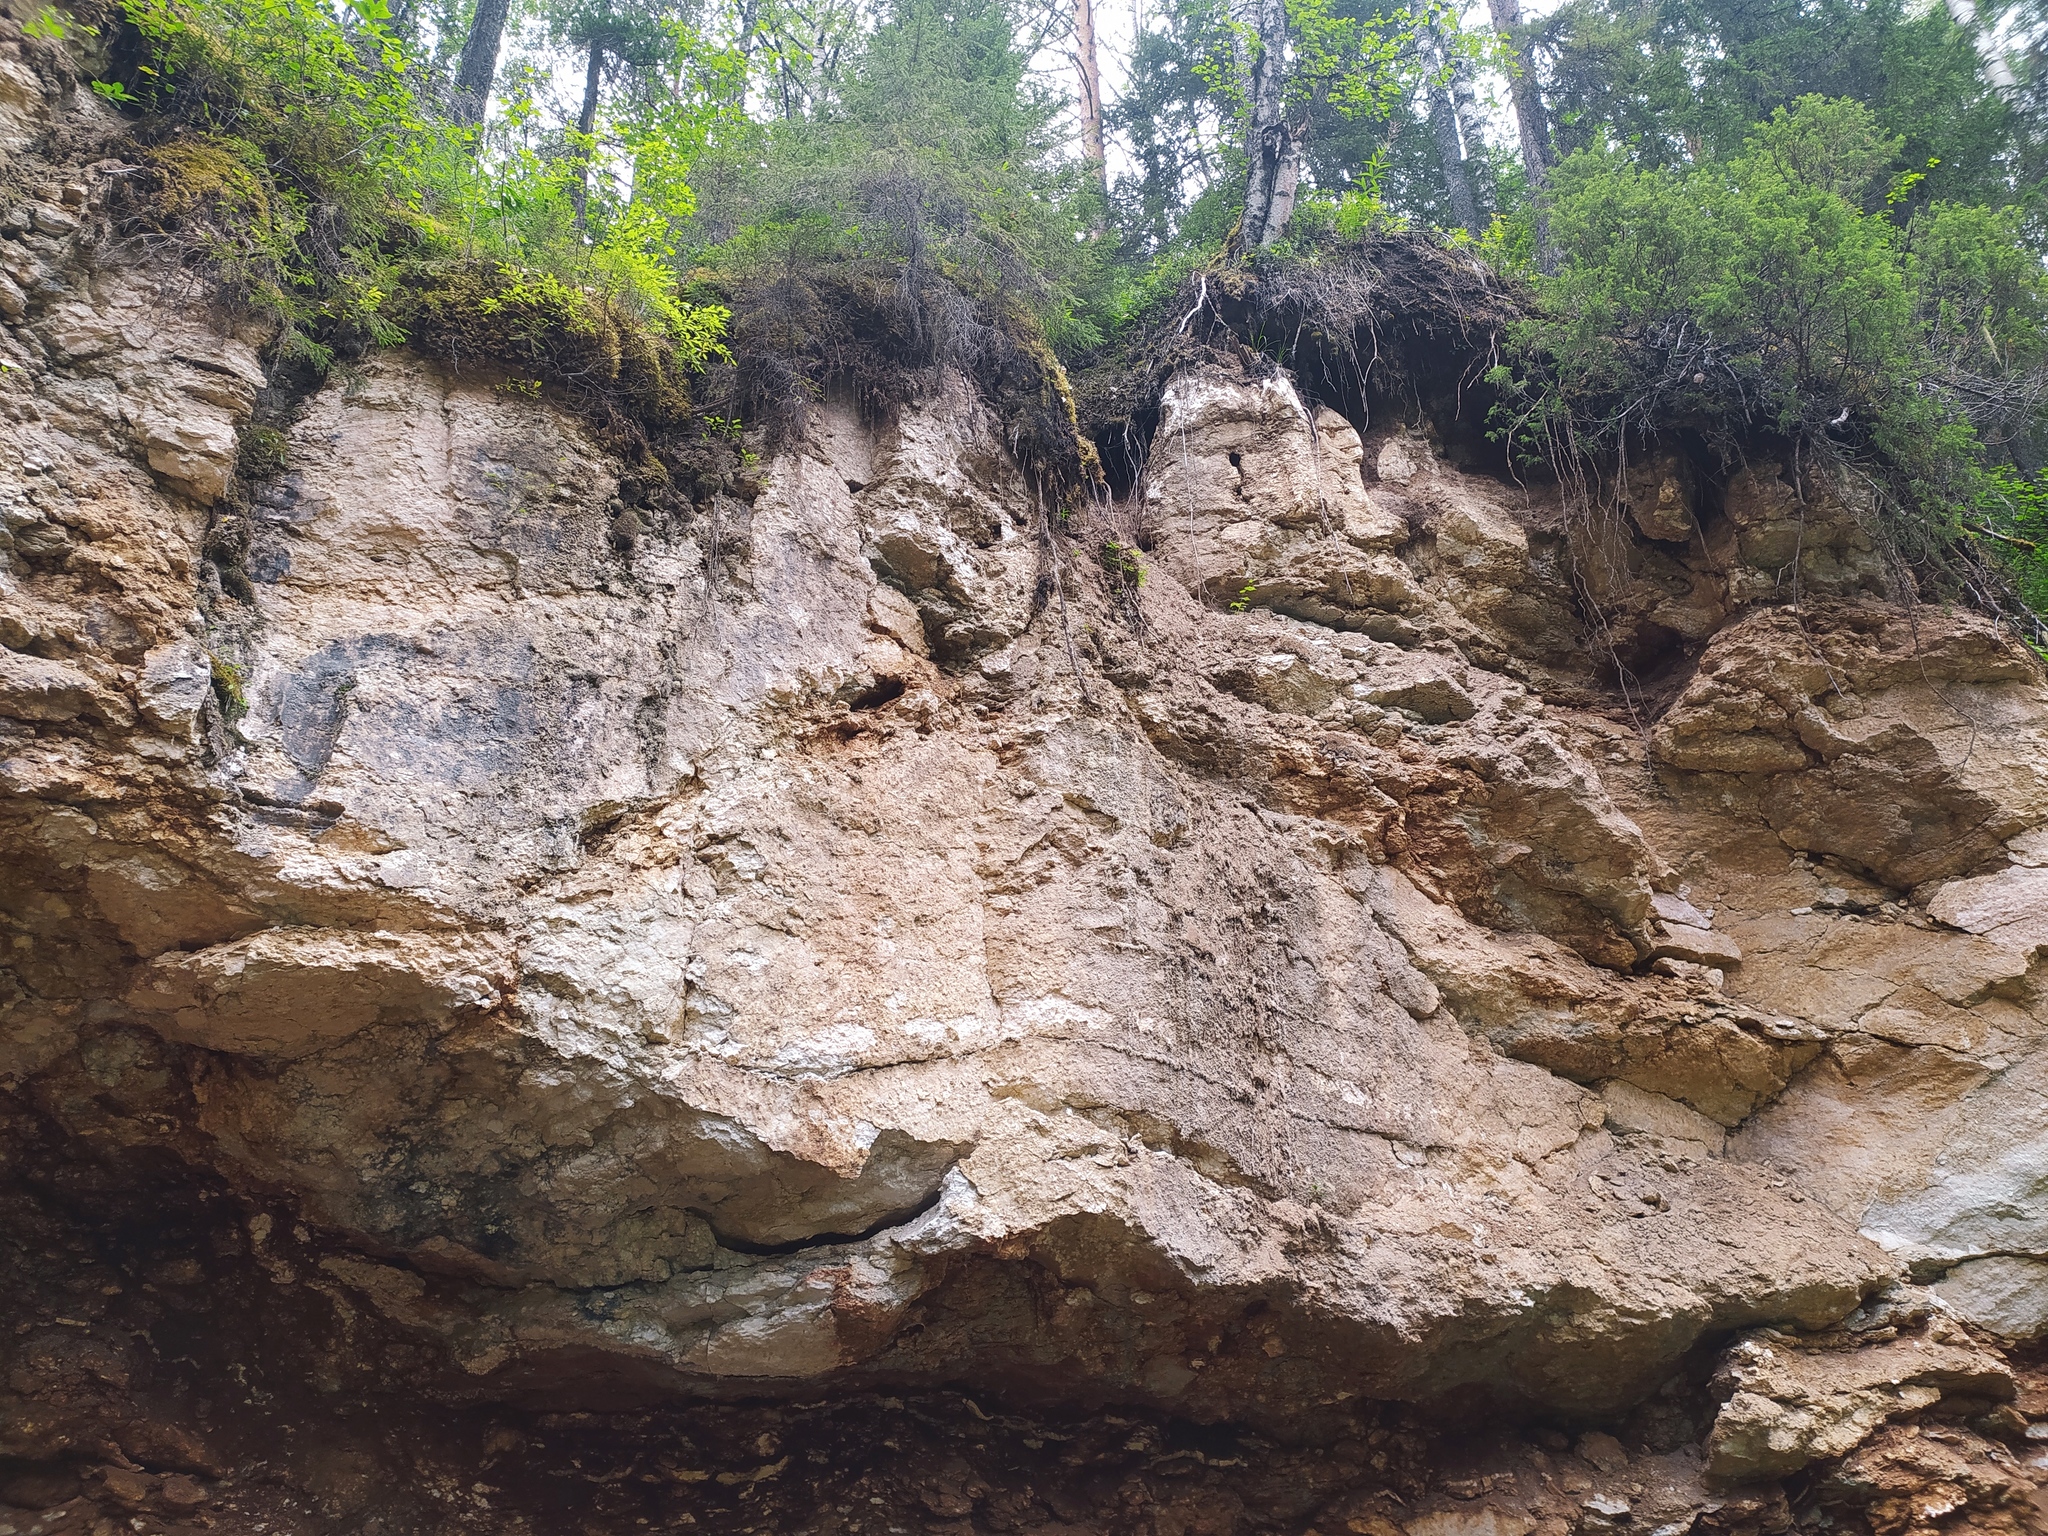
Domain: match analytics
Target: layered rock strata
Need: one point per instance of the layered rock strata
(860, 945)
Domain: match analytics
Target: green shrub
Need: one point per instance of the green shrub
(288, 153)
(1776, 296)
(227, 687)
(2011, 515)
(585, 339)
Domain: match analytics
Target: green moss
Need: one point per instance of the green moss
(1120, 562)
(1057, 393)
(545, 332)
(199, 177)
(262, 453)
(227, 687)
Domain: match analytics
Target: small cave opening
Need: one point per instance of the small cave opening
(884, 690)
(1122, 448)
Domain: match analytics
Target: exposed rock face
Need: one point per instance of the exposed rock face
(844, 944)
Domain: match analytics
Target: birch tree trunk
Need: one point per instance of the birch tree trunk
(1446, 124)
(1996, 67)
(1465, 103)
(1274, 157)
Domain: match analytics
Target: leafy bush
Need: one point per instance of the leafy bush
(611, 361)
(2012, 513)
(1777, 295)
(289, 153)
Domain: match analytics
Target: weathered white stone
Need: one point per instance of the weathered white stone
(37, 688)
(176, 679)
(2013, 898)
(1630, 1108)
(286, 992)
(2005, 1294)
(1700, 946)
(191, 443)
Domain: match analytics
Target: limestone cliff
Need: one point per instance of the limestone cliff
(848, 1010)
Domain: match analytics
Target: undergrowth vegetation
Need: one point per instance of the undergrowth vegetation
(297, 155)
(1784, 296)
(287, 150)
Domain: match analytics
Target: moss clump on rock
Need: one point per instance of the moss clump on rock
(583, 344)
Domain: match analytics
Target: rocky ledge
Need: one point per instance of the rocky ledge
(870, 1007)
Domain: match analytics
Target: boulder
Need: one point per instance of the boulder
(1791, 1404)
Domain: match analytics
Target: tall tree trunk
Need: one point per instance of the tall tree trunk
(1449, 131)
(1275, 159)
(477, 68)
(586, 125)
(1465, 102)
(1093, 148)
(1529, 121)
(749, 14)
(1442, 123)
(1471, 133)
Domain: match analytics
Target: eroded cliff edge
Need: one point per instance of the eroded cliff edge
(1291, 1037)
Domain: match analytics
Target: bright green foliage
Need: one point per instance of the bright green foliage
(1349, 63)
(316, 180)
(1174, 125)
(1668, 83)
(227, 679)
(1684, 80)
(936, 152)
(538, 324)
(1355, 70)
(1758, 297)
(325, 97)
(1345, 60)
(50, 25)
(1121, 562)
(2011, 516)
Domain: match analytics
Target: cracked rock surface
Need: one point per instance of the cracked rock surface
(780, 1023)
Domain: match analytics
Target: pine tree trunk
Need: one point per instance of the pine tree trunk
(1529, 121)
(586, 124)
(1093, 149)
(1275, 159)
(477, 68)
